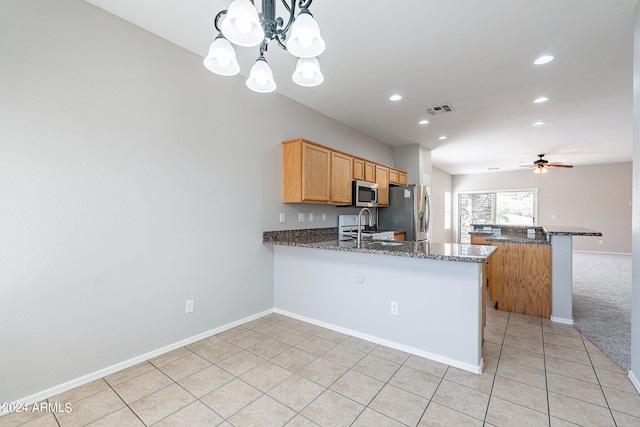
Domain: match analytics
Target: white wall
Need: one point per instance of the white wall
(131, 180)
(595, 197)
(634, 374)
(440, 183)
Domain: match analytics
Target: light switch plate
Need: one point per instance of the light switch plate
(300, 217)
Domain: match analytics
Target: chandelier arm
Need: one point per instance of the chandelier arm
(282, 45)
(218, 16)
(283, 32)
(304, 4)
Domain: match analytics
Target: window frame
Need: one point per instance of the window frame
(494, 205)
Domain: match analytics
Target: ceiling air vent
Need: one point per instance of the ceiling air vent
(439, 109)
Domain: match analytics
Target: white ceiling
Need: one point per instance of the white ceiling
(476, 55)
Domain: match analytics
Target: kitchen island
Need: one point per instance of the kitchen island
(419, 297)
(542, 284)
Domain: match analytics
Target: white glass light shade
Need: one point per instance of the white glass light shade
(308, 72)
(242, 25)
(221, 58)
(305, 41)
(540, 170)
(261, 78)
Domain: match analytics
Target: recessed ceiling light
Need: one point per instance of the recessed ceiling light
(541, 99)
(544, 59)
(540, 123)
(443, 137)
(423, 122)
(395, 98)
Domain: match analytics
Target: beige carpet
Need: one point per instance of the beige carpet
(602, 302)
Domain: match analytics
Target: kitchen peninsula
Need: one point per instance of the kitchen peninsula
(420, 297)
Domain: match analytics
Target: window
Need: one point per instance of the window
(515, 207)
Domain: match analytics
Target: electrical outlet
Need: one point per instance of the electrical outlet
(600, 242)
(394, 308)
(188, 307)
(282, 217)
(300, 217)
(324, 217)
(310, 217)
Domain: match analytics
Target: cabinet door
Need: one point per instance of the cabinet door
(358, 169)
(341, 173)
(316, 170)
(382, 179)
(369, 172)
(394, 176)
(402, 178)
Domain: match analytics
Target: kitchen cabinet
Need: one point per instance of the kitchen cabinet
(520, 278)
(341, 174)
(402, 178)
(382, 179)
(397, 177)
(479, 239)
(313, 173)
(369, 171)
(306, 172)
(358, 169)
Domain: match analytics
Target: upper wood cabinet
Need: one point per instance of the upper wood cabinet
(382, 179)
(341, 174)
(397, 177)
(369, 171)
(358, 169)
(313, 173)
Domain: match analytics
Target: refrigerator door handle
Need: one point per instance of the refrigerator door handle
(426, 197)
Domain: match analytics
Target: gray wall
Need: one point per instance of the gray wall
(634, 374)
(131, 180)
(596, 197)
(440, 183)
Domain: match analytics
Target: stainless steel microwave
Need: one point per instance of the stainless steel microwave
(365, 194)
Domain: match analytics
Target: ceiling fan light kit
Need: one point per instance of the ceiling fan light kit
(540, 166)
(244, 26)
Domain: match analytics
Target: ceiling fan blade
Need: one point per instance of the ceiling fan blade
(558, 165)
(528, 166)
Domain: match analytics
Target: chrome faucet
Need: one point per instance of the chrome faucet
(359, 241)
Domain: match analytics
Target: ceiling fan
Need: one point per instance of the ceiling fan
(540, 165)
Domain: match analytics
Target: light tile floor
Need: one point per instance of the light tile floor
(278, 371)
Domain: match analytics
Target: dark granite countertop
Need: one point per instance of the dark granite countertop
(506, 238)
(518, 233)
(328, 239)
(560, 230)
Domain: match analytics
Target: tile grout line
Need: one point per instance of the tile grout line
(598, 378)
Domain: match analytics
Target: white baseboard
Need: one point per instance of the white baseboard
(53, 391)
(561, 320)
(634, 380)
(431, 356)
(602, 252)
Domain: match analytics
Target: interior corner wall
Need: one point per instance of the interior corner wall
(634, 373)
(596, 197)
(440, 183)
(132, 180)
(413, 159)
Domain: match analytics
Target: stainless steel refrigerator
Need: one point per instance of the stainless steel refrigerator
(408, 210)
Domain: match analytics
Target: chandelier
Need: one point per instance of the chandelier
(244, 26)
